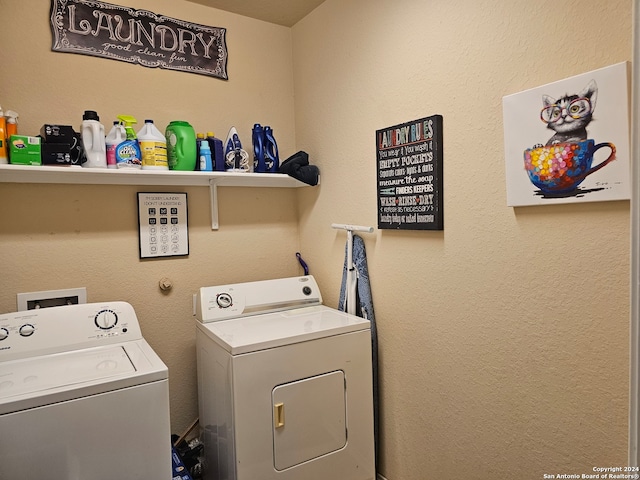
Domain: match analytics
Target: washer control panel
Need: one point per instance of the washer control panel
(69, 327)
(243, 299)
(106, 319)
(224, 300)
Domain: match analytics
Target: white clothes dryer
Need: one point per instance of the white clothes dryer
(82, 396)
(284, 384)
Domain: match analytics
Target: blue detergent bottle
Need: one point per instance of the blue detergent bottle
(217, 152)
(258, 139)
(271, 157)
(199, 138)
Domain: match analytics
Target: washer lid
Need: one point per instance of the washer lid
(70, 368)
(259, 332)
(45, 379)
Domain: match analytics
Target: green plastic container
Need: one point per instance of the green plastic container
(181, 146)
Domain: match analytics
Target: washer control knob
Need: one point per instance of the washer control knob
(306, 290)
(27, 330)
(224, 300)
(4, 333)
(106, 319)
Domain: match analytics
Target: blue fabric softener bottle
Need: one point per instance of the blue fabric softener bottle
(206, 164)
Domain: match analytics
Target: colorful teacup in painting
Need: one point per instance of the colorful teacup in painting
(561, 167)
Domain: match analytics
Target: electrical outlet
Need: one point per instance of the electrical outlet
(51, 298)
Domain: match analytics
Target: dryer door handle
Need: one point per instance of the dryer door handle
(278, 415)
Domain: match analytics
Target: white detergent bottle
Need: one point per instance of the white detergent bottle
(153, 147)
(116, 136)
(93, 140)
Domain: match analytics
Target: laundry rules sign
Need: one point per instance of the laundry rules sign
(409, 166)
(137, 36)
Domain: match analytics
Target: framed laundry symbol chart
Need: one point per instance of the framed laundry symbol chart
(568, 141)
(162, 222)
(409, 169)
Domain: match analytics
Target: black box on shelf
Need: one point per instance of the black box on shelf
(56, 154)
(57, 134)
(61, 145)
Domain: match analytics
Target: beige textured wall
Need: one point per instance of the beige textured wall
(56, 236)
(504, 338)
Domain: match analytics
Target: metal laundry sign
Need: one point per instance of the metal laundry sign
(137, 36)
(409, 166)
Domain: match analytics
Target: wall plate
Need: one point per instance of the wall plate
(51, 298)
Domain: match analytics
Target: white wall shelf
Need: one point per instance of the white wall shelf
(96, 176)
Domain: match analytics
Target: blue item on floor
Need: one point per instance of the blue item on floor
(179, 471)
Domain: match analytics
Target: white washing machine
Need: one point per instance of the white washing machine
(82, 396)
(284, 384)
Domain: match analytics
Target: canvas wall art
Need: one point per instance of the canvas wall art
(568, 141)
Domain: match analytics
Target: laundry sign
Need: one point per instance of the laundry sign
(409, 166)
(137, 36)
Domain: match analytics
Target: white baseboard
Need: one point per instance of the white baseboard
(380, 477)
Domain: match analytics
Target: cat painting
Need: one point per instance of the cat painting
(559, 149)
(569, 115)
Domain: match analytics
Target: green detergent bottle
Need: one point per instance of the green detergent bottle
(128, 153)
(181, 146)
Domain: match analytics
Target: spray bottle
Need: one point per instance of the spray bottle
(128, 152)
(12, 123)
(116, 136)
(4, 158)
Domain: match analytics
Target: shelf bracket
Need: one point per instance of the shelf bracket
(213, 197)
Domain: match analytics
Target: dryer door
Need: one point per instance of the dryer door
(309, 419)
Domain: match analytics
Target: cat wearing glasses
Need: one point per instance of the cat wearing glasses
(569, 115)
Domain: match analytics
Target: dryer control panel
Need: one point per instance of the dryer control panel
(224, 302)
(69, 327)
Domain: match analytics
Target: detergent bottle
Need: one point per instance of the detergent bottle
(181, 146)
(153, 146)
(116, 136)
(93, 140)
(4, 157)
(199, 140)
(205, 156)
(217, 152)
(128, 152)
(258, 139)
(271, 156)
